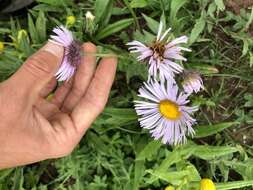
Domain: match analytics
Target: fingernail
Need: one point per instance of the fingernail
(54, 48)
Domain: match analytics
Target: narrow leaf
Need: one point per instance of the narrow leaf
(197, 29)
(152, 24)
(149, 150)
(113, 28)
(234, 185)
(32, 30)
(100, 8)
(213, 152)
(203, 131)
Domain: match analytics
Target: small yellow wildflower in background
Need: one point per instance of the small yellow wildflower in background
(169, 188)
(70, 20)
(1, 47)
(207, 184)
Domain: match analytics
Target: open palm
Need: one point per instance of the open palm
(35, 128)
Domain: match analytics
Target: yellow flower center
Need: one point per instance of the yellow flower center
(169, 109)
(207, 184)
(158, 49)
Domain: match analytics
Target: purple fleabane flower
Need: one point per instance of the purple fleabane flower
(192, 82)
(161, 54)
(72, 52)
(165, 112)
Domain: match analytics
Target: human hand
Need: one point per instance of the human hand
(33, 128)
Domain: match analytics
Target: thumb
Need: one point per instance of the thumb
(38, 69)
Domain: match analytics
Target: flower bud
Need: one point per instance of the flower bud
(169, 188)
(21, 34)
(207, 184)
(1, 47)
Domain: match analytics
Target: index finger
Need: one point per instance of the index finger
(95, 98)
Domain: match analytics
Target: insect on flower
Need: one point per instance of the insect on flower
(192, 82)
(72, 52)
(161, 54)
(164, 112)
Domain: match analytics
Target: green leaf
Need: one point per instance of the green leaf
(107, 15)
(203, 131)
(113, 28)
(118, 117)
(97, 143)
(204, 69)
(100, 7)
(126, 113)
(175, 7)
(206, 152)
(55, 2)
(152, 24)
(220, 4)
(5, 173)
(32, 30)
(139, 171)
(176, 156)
(136, 69)
(41, 26)
(234, 185)
(174, 177)
(149, 150)
(244, 168)
(250, 59)
(47, 8)
(245, 46)
(249, 21)
(18, 179)
(211, 9)
(138, 3)
(198, 28)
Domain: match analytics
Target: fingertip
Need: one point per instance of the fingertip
(112, 61)
(54, 48)
(89, 47)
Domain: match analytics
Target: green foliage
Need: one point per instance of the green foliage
(116, 154)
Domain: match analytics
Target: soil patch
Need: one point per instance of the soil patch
(237, 5)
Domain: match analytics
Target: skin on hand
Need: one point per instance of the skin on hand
(33, 128)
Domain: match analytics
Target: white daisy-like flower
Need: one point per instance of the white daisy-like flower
(161, 54)
(72, 52)
(165, 113)
(192, 82)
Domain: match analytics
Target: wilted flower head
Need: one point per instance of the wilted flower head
(72, 52)
(164, 112)
(161, 54)
(90, 24)
(192, 82)
(207, 184)
(89, 16)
